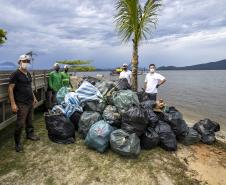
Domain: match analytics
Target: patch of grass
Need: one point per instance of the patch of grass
(49, 163)
(49, 181)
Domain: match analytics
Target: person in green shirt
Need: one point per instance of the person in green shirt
(66, 77)
(55, 83)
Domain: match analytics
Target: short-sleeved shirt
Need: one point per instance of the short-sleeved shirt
(152, 81)
(65, 78)
(23, 87)
(55, 81)
(126, 74)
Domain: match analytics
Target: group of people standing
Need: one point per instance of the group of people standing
(151, 83)
(57, 80)
(23, 99)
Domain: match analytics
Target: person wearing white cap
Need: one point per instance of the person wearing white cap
(66, 77)
(55, 83)
(22, 101)
(126, 73)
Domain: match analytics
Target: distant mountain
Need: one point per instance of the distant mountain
(219, 65)
(5, 66)
(101, 69)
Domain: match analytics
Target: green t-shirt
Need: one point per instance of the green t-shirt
(55, 81)
(65, 78)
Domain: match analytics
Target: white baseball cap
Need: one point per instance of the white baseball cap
(56, 64)
(66, 66)
(24, 57)
(124, 65)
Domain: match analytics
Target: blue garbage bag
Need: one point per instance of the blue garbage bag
(98, 136)
(61, 94)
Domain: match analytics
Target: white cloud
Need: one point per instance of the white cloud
(188, 30)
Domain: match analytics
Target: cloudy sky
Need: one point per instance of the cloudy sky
(188, 32)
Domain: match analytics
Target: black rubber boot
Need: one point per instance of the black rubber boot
(32, 137)
(18, 145)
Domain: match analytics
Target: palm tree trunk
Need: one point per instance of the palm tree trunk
(134, 66)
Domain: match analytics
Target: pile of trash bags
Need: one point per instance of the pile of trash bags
(108, 114)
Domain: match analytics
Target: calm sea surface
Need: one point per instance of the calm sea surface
(197, 94)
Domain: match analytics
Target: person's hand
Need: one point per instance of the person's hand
(35, 102)
(14, 108)
(157, 86)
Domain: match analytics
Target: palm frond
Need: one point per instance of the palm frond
(149, 18)
(127, 18)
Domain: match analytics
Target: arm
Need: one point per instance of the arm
(145, 82)
(35, 100)
(50, 81)
(161, 82)
(145, 86)
(11, 98)
(70, 83)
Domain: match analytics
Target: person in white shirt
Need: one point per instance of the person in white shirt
(152, 81)
(126, 73)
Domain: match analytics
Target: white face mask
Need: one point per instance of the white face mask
(24, 65)
(152, 70)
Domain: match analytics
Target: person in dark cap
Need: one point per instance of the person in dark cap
(22, 101)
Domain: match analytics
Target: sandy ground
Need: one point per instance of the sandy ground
(44, 162)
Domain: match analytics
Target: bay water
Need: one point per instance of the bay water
(197, 94)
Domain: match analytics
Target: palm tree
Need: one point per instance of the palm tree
(137, 23)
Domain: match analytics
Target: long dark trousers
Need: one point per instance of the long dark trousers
(152, 96)
(24, 119)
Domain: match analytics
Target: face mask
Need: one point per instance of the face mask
(152, 70)
(24, 65)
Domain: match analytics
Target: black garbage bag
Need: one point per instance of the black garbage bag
(149, 139)
(87, 119)
(105, 86)
(75, 117)
(175, 120)
(191, 138)
(166, 136)
(111, 116)
(207, 128)
(125, 144)
(59, 129)
(151, 117)
(148, 104)
(91, 79)
(123, 84)
(134, 121)
(161, 116)
(142, 96)
(94, 106)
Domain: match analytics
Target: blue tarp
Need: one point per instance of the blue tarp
(87, 92)
(74, 101)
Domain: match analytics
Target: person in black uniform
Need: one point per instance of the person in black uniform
(22, 101)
